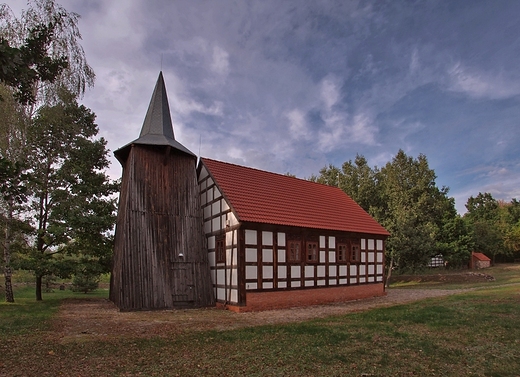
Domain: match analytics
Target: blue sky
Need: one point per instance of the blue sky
(292, 86)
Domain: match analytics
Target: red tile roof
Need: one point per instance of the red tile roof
(481, 256)
(264, 197)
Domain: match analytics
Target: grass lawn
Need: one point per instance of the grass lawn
(474, 333)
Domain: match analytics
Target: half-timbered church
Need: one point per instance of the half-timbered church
(239, 237)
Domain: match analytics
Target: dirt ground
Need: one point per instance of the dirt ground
(83, 319)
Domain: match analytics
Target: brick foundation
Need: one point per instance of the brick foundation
(259, 301)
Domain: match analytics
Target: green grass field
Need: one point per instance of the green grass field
(476, 333)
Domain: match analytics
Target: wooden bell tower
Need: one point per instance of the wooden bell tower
(160, 254)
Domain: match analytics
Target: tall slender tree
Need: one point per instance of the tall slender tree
(39, 53)
(71, 196)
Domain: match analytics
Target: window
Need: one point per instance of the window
(312, 252)
(355, 253)
(220, 250)
(342, 252)
(293, 251)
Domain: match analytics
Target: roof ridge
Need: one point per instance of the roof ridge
(270, 172)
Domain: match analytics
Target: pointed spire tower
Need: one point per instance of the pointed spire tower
(160, 256)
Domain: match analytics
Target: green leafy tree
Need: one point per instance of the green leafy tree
(488, 222)
(39, 53)
(412, 209)
(23, 67)
(71, 197)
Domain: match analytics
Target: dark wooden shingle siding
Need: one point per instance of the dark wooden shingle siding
(160, 254)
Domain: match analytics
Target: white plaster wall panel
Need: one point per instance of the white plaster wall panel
(203, 173)
(215, 208)
(309, 283)
(251, 255)
(216, 193)
(232, 219)
(371, 257)
(282, 272)
(332, 270)
(343, 281)
(371, 269)
(282, 284)
(353, 280)
(332, 242)
(332, 257)
(223, 221)
(207, 227)
(281, 239)
(371, 279)
(221, 276)
(323, 256)
(309, 271)
(215, 224)
(379, 257)
(379, 278)
(281, 255)
(363, 244)
(379, 245)
(231, 238)
(251, 272)
(234, 296)
(203, 198)
(342, 270)
(321, 283)
(363, 257)
(321, 271)
(267, 255)
(209, 193)
(267, 272)
(225, 205)
(295, 272)
(267, 285)
(371, 245)
(267, 238)
(295, 284)
(251, 286)
(379, 270)
(210, 181)
(232, 276)
(214, 276)
(362, 280)
(221, 294)
(211, 258)
(322, 242)
(207, 212)
(362, 270)
(332, 281)
(211, 242)
(250, 237)
(353, 270)
(231, 257)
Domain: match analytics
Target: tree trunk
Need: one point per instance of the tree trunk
(389, 274)
(39, 288)
(8, 273)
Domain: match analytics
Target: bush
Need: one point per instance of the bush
(85, 282)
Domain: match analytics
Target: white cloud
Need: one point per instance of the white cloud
(220, 63)
(297, 124)
(482, 84)
(329, 92)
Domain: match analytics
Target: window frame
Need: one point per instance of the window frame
(342, 249)
(220, 249)
(312, 252)
(355, 252)
(298, 258)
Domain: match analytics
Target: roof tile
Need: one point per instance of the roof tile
(270, 198)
